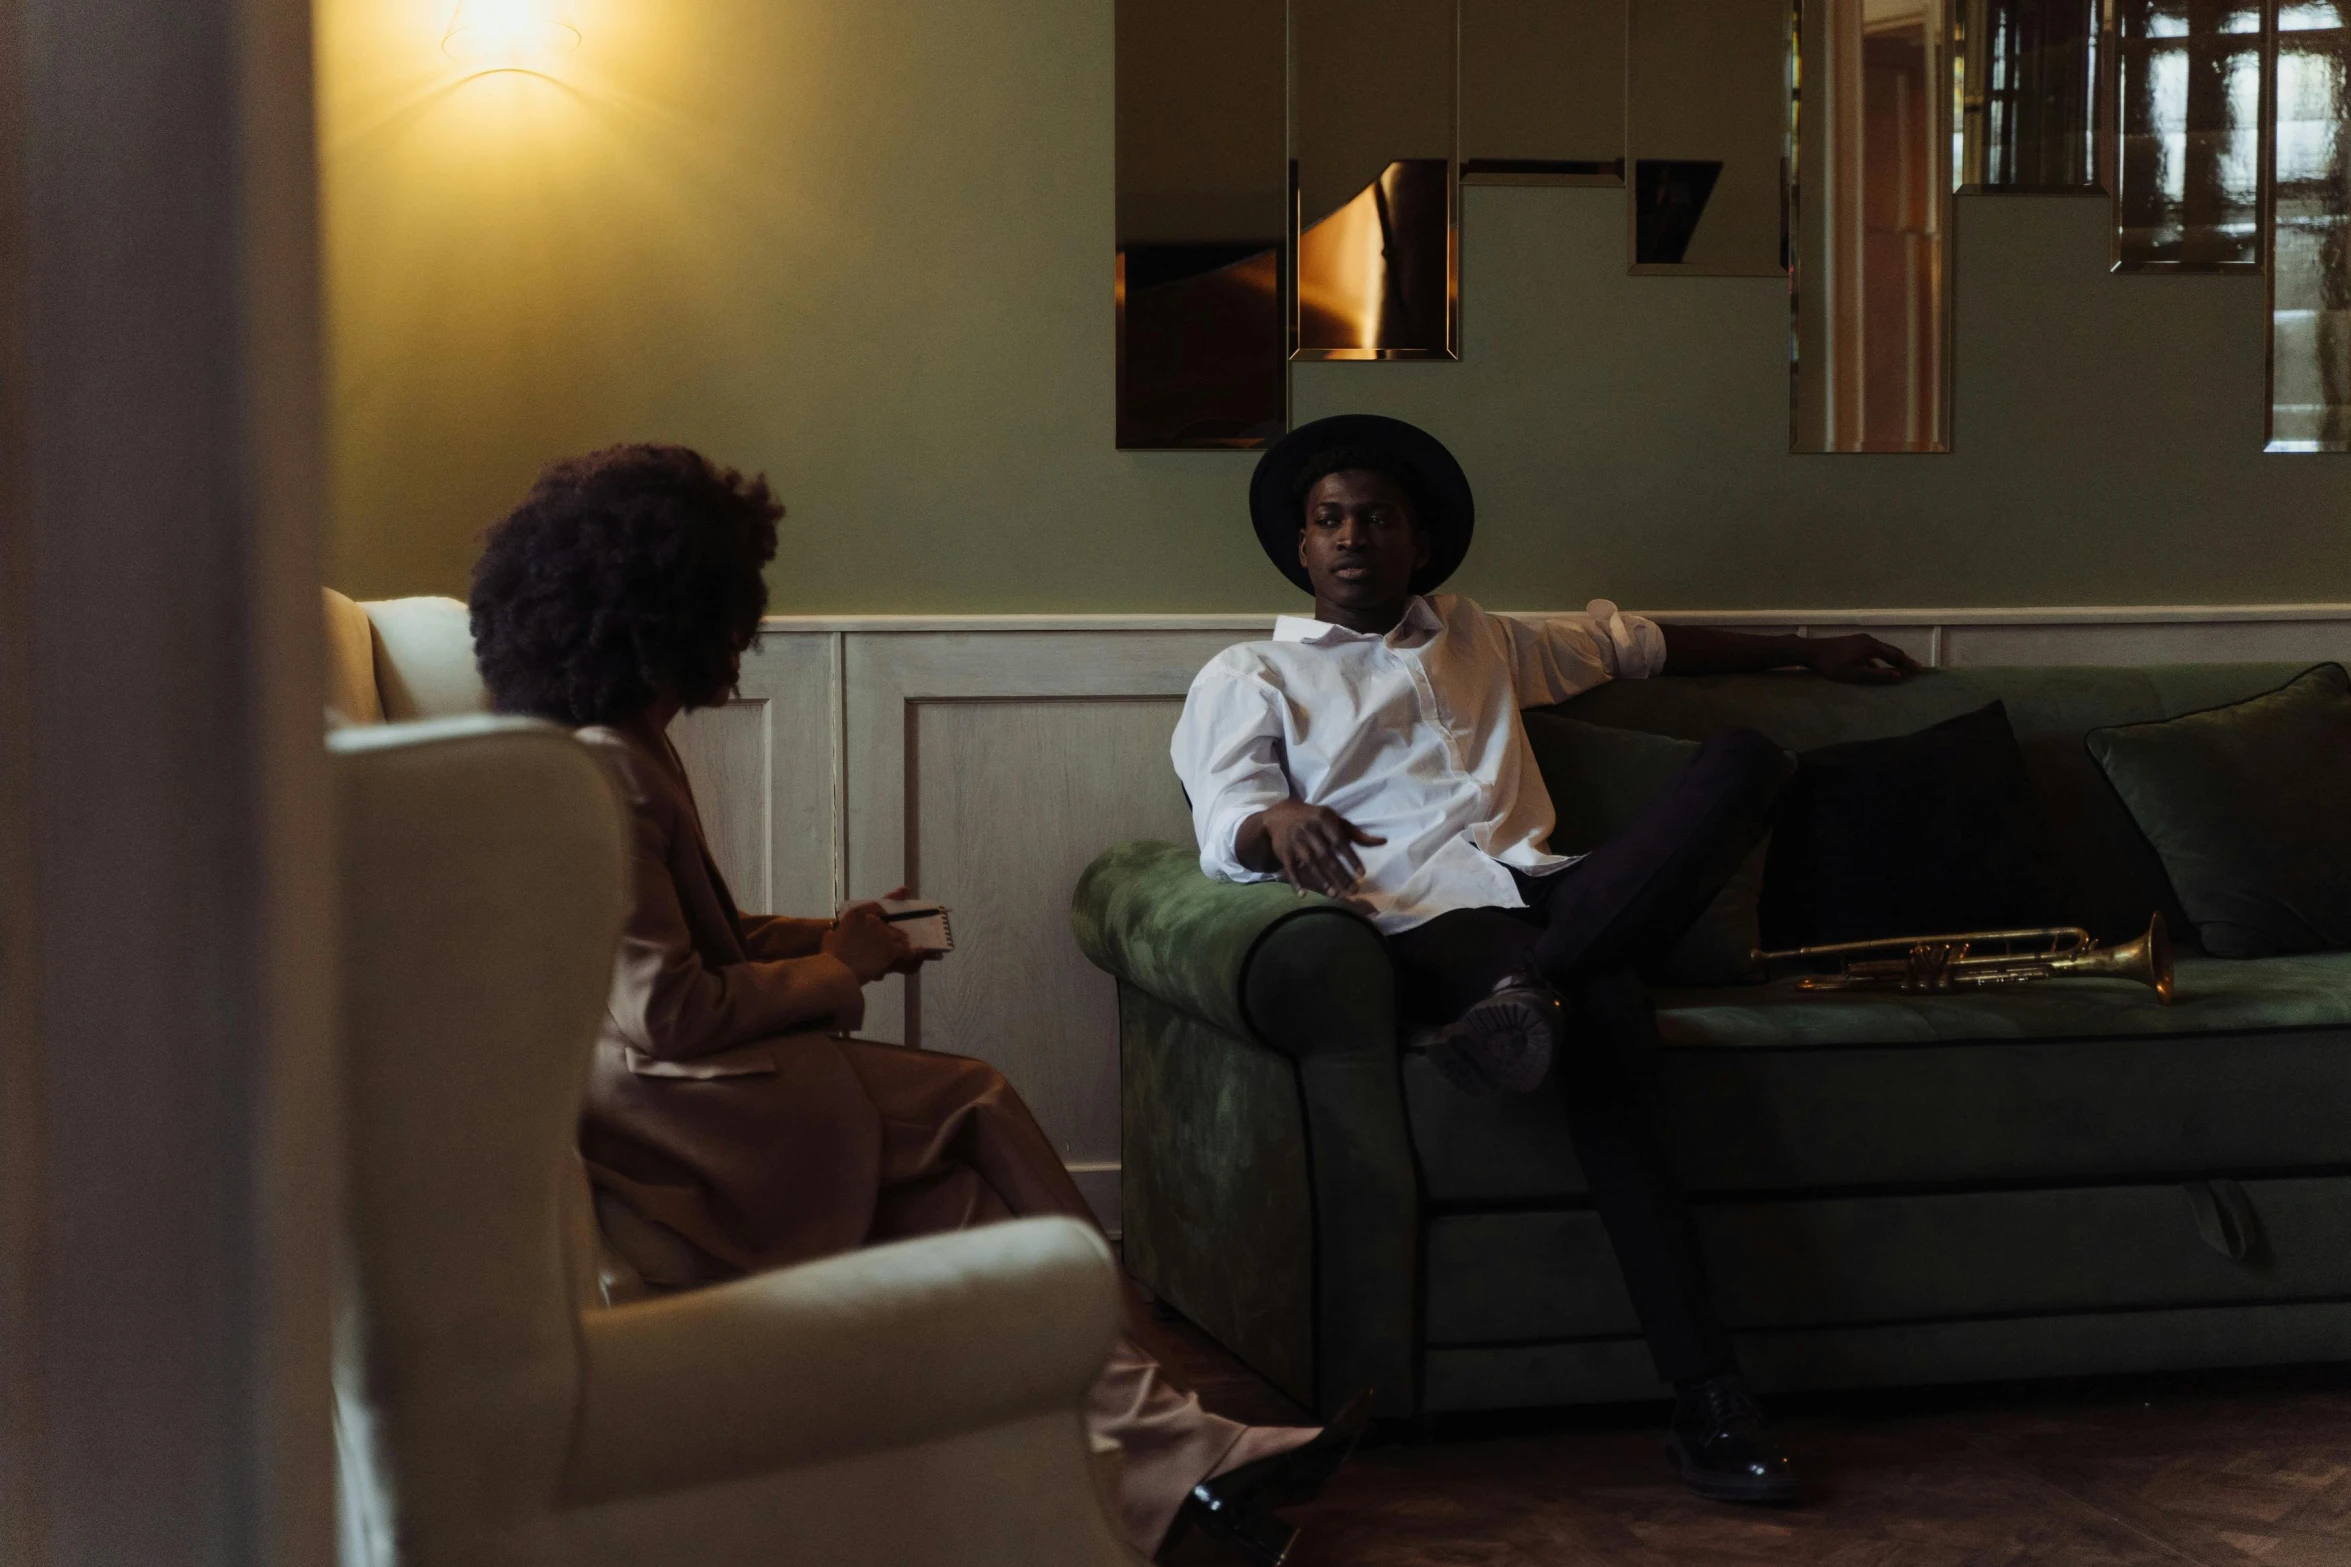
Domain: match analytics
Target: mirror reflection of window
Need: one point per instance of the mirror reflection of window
(2310, 235)
(1372, 131)
(2026, 75)
(1871, 200)
(2189, 174)
(1706, 100)
(1201, 208)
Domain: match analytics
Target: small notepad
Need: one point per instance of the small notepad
(925, 924)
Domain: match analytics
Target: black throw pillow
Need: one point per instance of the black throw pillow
(1914, 835)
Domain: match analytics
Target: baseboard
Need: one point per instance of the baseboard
(1098, 1184)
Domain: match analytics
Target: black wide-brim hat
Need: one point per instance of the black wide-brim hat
(1443, 506)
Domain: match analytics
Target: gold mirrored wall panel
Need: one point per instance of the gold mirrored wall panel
(1372, 128)
(1203, 208)
(1542, 92)
(2028, 78)
(1871, 201)
(1706, 93)
(2190, 86)
(2310, 231)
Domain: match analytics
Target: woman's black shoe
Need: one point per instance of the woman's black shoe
(1720, 1448)
(1235, 1508)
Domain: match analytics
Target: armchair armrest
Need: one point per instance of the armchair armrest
(1302, 975)
(885, 1347)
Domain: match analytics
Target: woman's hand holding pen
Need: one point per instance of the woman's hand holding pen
(869, 944)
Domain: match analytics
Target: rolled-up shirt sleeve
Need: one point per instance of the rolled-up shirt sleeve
(1228, 753)
(1566, 655)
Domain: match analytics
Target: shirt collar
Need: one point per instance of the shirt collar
(1419, 616)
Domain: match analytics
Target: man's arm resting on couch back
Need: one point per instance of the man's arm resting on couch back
(1855, 659)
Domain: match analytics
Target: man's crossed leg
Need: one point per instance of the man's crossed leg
(1544, 999)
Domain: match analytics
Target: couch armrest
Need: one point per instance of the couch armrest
(1309, 979)
(880, 1348)
(1303, 975)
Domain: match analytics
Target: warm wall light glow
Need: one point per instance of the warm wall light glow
(508, 35)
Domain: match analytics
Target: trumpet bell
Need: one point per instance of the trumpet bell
(2147, 960)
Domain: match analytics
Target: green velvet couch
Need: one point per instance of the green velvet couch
(2056, 1179)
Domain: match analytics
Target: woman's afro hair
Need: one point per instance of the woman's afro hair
(626, 575)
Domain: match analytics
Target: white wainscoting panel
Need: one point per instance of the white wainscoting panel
(889, 675)
(727, 752)
(986, 768)
(767, 776)
(1010, 799)
(984, 760)
(2189, 642)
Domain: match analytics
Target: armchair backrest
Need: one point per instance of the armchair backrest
(483, 884)
(398, 659)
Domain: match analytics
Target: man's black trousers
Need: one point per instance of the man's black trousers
(1585, 930)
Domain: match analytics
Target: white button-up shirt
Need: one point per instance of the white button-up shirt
(1413, 736)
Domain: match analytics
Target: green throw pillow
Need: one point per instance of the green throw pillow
(1599, 779)
(2245, 804)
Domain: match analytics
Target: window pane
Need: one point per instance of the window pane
(2025, 73)
(2310, 300)
(2190, 164)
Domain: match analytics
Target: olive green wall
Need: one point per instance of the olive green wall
(866, 247)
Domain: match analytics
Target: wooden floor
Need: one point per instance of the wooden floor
(2221, 1470)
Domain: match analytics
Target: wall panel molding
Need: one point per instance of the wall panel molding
(985, 759)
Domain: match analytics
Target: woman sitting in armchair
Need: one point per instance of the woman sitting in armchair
(731, 1123)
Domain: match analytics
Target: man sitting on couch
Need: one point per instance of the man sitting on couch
(1374, 754)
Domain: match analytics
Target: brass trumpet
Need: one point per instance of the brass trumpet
(1939, 963)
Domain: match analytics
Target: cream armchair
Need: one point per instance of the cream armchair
(910, 1404)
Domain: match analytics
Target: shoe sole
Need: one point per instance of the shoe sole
(1508, 1040)
(1718, 1488)
(1296, 1486)
(1257, 1540)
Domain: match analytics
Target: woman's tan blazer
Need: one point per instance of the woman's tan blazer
(719, 1109)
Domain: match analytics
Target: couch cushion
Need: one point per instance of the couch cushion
(1910, 835)
(2073, 1081)
(1894, 1354)
(1514, 1277)
(2113, 880)
(2244, 805)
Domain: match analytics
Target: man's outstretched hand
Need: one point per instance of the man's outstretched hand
(1858, 660)
(1312, 846)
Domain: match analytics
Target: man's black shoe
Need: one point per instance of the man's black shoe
(1235, 1509)
(1721, 1449)
(1504, 1042)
